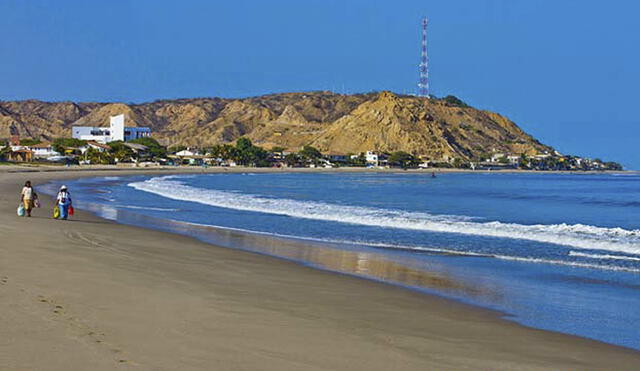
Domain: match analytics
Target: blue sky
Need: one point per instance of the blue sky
(565, 71)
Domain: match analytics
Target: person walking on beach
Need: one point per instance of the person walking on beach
(28, 197)
(63, 202)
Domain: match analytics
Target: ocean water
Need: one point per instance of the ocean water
(552, 251)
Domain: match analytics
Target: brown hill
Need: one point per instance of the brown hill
(332, 122)
(428, 127)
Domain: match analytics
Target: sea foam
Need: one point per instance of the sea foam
(573, 235)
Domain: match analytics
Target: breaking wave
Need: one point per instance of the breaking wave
(574, 235)
(604, 256)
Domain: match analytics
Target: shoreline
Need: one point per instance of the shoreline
(348, 321)
(12, 168)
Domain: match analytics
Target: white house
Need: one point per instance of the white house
(375, 158)
(541, 157)
(496, 157)
(513, 159)
(115, 131)
(372, 158)
(44, 149)
(186, 152)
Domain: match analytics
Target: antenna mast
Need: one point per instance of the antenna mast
(423, 84)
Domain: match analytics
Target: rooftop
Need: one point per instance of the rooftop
(40, 145)
(135, 146)
(99, 145)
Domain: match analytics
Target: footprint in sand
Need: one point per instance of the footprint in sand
(4, 280)
(96, 336)
(58, 309)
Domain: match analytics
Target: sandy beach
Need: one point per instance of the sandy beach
(90, 294)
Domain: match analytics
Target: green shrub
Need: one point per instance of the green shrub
(452, 100)
(403, 159)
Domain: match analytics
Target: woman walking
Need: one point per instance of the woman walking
(28, 198)
(63, 202)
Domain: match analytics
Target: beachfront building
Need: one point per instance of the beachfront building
(187, 153)
(504, 158)
(20, 155)
(14, 143)
(497, 157)
(139, 149)
(514, 159)
(337, 157)
(25, 153)
(374, 158)
(115, 131)
(99, 147)
(43, 150)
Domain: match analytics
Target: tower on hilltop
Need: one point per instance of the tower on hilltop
(423, 83)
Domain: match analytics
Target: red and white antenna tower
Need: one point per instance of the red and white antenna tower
(423, 84)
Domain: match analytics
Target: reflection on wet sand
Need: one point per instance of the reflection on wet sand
(352, 260)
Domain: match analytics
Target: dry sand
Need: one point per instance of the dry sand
(89, 294)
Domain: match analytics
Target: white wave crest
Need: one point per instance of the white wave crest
(603, 256)
(576, 235)
(567, 263)
(144, 208)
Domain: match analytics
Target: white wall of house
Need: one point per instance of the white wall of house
(89, 133)
(116, 126)
(513, 159)
(115, 131)
(44, 152)
(496, 157)
(372, 157)
(185, 152)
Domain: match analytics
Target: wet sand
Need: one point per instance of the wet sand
(91, 294)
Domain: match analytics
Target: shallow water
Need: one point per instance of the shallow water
(558, 252)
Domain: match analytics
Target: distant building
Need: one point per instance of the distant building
(337, 157)
(137, 148)
(96, 146)
(375, 158)
(21, 155)
(496, 157)
(186, 153)
(115, 131)
(541, 157)
(513, 159)
(372, 157)
(44, 149)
